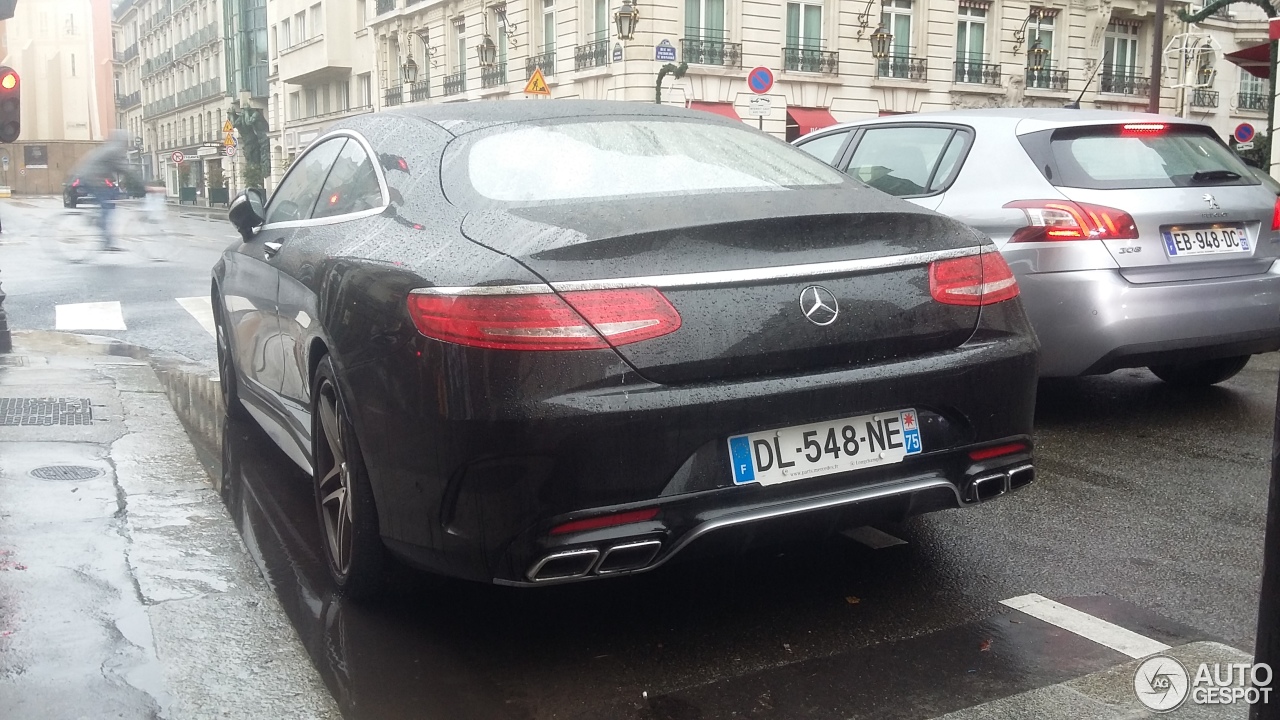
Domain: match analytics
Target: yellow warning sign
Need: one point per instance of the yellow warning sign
(537, 84)
(226, 126)
(228, 141)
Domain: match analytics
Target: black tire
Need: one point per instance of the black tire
(68, 203)
(228, 380)
(1200, 374)
(353, 548)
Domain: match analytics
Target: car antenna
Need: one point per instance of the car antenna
(1076, 105)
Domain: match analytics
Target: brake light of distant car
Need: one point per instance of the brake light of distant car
(580, 320)
(982, 279)
(1143, 128)
(109, 183)
(75, 183)
(1052, 220)
(604, 521)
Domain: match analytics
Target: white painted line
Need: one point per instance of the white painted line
(872, 537)
(201, 308)
(89, 316)
(1085, 625)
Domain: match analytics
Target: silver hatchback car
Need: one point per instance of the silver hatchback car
(1137, 240)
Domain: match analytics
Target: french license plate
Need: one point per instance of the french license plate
(1212, 240)
(778, 456)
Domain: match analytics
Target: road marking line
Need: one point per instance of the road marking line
(89, 316)
(1085, 625)
(873, 538)
(201, 308)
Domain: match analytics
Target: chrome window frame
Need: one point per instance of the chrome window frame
(333, 219)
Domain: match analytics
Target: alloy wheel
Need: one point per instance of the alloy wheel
(334, 482)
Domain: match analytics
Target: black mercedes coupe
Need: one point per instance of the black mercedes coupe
(535, 342)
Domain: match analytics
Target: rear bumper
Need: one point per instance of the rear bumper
(1093, 321)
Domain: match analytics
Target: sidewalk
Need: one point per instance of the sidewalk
(125, 590)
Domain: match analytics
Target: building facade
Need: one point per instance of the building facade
(127, 82)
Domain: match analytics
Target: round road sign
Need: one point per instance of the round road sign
(230, 150)
(1244, 133)
(760, 80)
(177, 157)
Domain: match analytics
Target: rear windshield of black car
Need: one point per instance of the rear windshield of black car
(615, 158)
(1144, 155)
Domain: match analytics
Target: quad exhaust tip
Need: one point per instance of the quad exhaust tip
(571, 564)
(988, 487)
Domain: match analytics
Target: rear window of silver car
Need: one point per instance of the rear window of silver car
(603, 159)
(1110, 157)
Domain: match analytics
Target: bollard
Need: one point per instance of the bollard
(6, 338)
(1267, 648)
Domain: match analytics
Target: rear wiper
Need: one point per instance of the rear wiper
(1209, 176)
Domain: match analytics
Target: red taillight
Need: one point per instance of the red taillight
(997, 451)
(1275, 216)
(1143, 128)
(109, 183)
(581, 320)
(972, 280)
(604, 521)
(75, 183)
(1053, 220)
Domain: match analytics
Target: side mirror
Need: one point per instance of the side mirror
(248, 211)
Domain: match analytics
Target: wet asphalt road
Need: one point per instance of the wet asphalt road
(1149, 505)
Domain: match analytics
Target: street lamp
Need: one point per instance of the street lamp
(1036, 56)
(487, 51)
(627, 17)
(880, 40)
(409, 71)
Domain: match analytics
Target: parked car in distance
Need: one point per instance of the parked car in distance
(1137, 240)
(530, 343)
(77, 189)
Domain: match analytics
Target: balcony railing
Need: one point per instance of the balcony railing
(1047, 79)
(124, 102)
(420, 90)
(206, 89)
(199, 39)
(153, 109)
(157, 63)
(975, 71)
(697, 51)
(902, 67)
(493, 76)
(811, 60)
(1124, 84)
(393, 95)
(456, 82)
(1202, 97)
(1251, 101)
(386, 6)
(546, 62)
(593, 54)
(129, 53)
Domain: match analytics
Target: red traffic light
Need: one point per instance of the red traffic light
(9, 80)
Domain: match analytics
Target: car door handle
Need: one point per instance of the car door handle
(271, 248)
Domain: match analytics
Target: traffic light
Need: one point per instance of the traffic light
(10, 107)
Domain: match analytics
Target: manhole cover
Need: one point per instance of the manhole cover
(45, 411)
(65, 472)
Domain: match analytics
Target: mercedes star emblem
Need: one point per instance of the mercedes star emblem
(819, 305)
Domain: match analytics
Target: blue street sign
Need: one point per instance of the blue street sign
(760, 80)
(665, 51)
(617, 52)
(1244, 133)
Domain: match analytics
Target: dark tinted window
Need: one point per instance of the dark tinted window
(352, 185)
(1107, 157)
(296, 196)
(825, 148)
(900, 160)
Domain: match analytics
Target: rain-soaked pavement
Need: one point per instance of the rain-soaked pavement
(1148, 512)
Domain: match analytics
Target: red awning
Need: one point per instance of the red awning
(1255, 60)
(810, 119)
(719, 108)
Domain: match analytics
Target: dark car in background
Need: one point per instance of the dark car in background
(78, 189)
(540, 342)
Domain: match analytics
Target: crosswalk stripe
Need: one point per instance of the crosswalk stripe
(201, 308)
(89, 316)
(1085, 625)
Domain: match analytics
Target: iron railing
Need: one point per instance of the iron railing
(1047, 79)
(812, 60)
(1124, 84)
(976, 71)
(127, 101)
(493, 76)
(902, 67)
(546, 62)
(1252, 101)
(1203, 97)
(593, 54)
(420, 90)
(393, 95)
(455, 83)
(158, 107)
(157, 63)
(129, 53)
(199, 39)
(206, 89)
(696, 51)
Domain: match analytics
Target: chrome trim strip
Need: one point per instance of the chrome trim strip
(655, 544)
(716, 277)
(533, 571)
(378, 172)
(792, 508)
